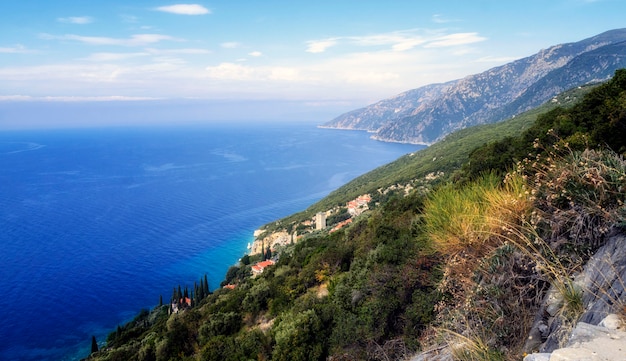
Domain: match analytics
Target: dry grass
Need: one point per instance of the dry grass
(460, 218)
(470, 348)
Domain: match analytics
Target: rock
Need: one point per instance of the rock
(537, 357)
(589, 343)
(575, 354)
(585, 332)
(612, 322)
(603, 280)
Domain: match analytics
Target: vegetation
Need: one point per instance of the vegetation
(463, 259)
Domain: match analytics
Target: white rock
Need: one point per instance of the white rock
(575, 354)
(537, 357)
(612, 322)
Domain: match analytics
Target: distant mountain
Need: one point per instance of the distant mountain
(427, 114)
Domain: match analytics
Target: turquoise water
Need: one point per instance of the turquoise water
(95, 224)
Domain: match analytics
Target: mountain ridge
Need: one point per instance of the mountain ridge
(426, 114)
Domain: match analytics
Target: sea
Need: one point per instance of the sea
(98, 223)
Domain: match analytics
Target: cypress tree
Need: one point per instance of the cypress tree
(206, 286)
(160, 300)
(94, 344)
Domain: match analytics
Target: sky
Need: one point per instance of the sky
(324, 56)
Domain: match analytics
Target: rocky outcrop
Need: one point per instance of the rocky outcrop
(601, 282)
(604, 342)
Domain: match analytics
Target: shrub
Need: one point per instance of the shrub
(470, 216)
(579, 197)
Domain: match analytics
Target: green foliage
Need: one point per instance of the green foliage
(299, 337)
(220, 324)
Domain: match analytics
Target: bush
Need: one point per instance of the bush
(580, 197)
(299, 337)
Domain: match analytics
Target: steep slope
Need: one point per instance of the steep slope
(426, 114)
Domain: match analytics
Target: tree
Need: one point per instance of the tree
(206, 286)
(94, 344)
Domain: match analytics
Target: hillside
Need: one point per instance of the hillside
(471, 268)
(427, 114)
(445, 156)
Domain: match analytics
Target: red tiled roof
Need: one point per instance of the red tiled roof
(260, 266)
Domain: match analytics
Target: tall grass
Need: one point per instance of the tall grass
(460, 217)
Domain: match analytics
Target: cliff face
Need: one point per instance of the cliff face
(426, 114)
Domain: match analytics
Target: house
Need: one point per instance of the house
(180, 305)
(340, 225)
(359, 205)
(259, 267)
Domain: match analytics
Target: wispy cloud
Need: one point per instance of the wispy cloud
(230, 45)
(255, 54)
(17, 49)
(455, 40)
(184, 9)
(131, 19)
(403, 40)
(108, 57)
(232, 71)
(440, 19)
(134, 40)
(79, 20)
(184, 51)
(320, 46)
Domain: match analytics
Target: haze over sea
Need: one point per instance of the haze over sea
(95, 224)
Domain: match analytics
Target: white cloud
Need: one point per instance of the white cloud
(184, 51)
(17, 49)
(440, 19)
(230, 71)
(185, 9)
(79, 20)
(238, 72)
(230, 45)
(134, 40)
(320, 46)
(104, 57)
(403, 40)
(455, 40)
(255, 54)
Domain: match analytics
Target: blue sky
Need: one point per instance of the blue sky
(324, 53)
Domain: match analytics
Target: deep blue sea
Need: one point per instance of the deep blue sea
(95, 224)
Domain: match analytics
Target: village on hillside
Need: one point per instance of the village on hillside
(269, 243)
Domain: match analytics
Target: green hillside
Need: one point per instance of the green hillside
(465, 262)
(446, 156)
